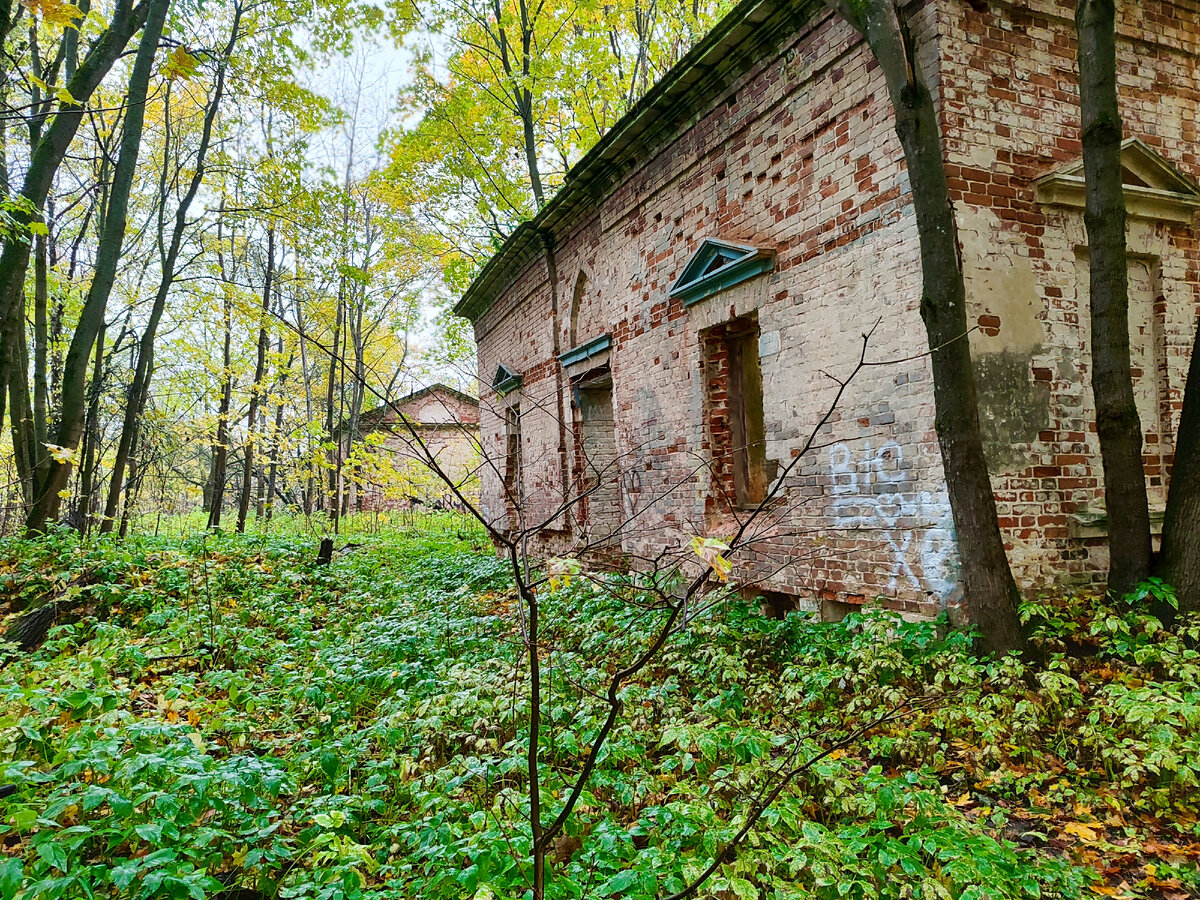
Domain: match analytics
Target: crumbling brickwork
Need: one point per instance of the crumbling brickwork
(793, 151)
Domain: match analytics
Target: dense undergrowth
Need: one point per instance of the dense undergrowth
(225, 719)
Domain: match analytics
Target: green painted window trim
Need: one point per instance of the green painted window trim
(586, 350)
(752, 263)
(506, 380)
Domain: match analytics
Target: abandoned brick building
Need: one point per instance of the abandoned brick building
(659, 335)
(395, 476)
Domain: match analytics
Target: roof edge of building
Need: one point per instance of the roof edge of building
(637, 133)
(378, 412)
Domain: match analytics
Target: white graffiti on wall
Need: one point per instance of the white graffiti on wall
(874, 490)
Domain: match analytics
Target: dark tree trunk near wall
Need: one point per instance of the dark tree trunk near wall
(1180, 558)
(1117, 423)
(990, 591)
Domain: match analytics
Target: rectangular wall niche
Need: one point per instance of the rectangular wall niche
(597, 463)
(1148, 362)
(734, 413)
(512, 461)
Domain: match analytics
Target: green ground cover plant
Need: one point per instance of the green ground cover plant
(220, 717)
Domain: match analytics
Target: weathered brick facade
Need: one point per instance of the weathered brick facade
(777, 134)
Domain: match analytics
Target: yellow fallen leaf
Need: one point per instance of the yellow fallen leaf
(1080, 830)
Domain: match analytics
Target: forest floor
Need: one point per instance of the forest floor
(216, 716)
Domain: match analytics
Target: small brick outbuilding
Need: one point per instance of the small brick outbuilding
(397, 475)
(658, 337)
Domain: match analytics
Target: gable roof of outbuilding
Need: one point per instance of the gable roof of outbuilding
(689, 88)
(379, 414)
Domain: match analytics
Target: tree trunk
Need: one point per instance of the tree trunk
(310, 484)
(353, 495)
(267, 489)
(273, 470)
(221, 446)
(47, 156)
(91, 438)
(41, 343)
(139, 388)
(531, 150)
(260, 373)
(25, 447)
(990, 592)
(130, 494)
(1179, 561)
(108, 257)
(334, 437)
(524, 100)
(1117, 423)
(260, 474)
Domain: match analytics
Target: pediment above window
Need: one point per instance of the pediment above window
(717, 265)
(506, 380)
(586, 352)
(1154, 189)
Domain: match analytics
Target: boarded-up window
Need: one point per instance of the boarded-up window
(600, 476)
(734, 412)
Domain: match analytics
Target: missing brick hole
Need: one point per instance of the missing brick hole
(833, 610)
(776, 604)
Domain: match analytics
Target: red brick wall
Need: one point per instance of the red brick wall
(800, 155)
(1011, 116)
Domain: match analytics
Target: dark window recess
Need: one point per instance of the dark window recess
(776, 604)
(512, 457)
(734, 413)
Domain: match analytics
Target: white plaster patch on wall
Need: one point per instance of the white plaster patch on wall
(769, 343)
(873, 490)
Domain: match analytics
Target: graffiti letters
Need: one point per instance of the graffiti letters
(874, 490)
